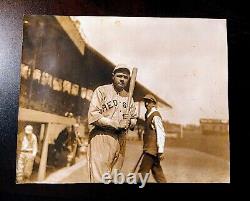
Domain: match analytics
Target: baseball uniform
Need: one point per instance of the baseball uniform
(26, 152)
(107, 144)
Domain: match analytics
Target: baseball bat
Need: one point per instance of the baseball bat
(131, 88)
(136, 165)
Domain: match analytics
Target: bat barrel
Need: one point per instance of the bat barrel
(131, 88)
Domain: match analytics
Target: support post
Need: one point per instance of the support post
(44, 155)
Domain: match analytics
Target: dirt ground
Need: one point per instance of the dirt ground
(181, 165)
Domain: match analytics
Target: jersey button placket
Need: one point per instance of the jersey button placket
(120, 106)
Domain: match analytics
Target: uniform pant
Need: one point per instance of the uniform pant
(151, 162)
(103, 155)
(24, 166)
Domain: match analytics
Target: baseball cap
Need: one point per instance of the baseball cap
(150, 97)
(28, 129)
(121, 68)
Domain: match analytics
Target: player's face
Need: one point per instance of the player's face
(149, 104)
(69, 128)
(76, 129)
(120, 80)
(28, 134)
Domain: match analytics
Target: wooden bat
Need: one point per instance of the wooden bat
(136, 165)
(131, 88)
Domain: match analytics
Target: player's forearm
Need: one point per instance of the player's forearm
(106, 122)
(34, 152)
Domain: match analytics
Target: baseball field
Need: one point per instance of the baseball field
(193, 159)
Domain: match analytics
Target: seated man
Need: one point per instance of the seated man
(64, 145)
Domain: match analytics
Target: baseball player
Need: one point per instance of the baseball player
(153, 141)
(26, 153)
(108, 123)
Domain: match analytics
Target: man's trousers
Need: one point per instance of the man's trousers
(151, 162)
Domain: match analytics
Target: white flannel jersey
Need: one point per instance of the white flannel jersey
(29, 144)
(108, 103)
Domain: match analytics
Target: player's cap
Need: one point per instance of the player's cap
(28, 129)
(150, 97)
(121, 68)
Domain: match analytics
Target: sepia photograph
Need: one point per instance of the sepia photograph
(118, 100)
